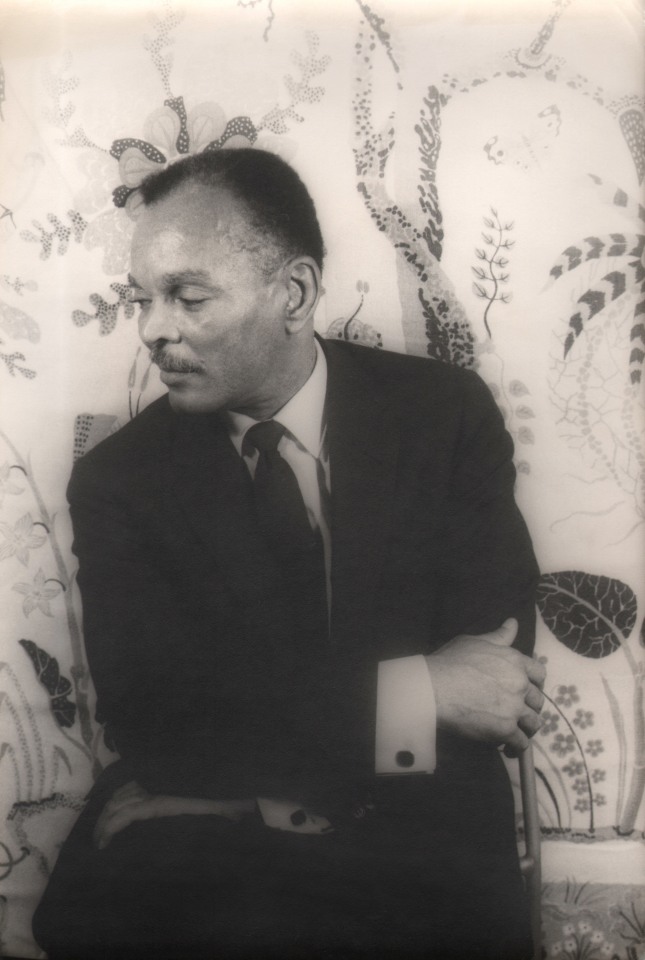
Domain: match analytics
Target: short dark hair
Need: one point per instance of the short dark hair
(278, 202)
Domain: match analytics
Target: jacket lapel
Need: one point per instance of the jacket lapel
(213, 488)
(363, 449)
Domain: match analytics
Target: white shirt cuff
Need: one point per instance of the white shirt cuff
(406, 717)
(290, 816)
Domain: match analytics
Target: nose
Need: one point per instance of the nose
(157, 322)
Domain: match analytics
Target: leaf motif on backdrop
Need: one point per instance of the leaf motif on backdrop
(589, 613)
(524, 412)
(90, 429)
(300, 91)
(428, 131)
(17, 284)
(627, 276)
(7, 484)
(17, 324)
(170, 132)
(593, 248)
(632, 125)
(518, 389)
(112, 233)
(57, 686)
(106, 313)
(438, 325)
(491, 271)
(605, 291)
(354, 331)
(59, 232)
(12, 362)
(610, 192)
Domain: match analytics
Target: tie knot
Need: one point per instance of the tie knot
(265, 436)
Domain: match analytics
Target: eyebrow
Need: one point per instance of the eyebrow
(178, 279)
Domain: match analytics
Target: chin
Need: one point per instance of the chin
(189, 401)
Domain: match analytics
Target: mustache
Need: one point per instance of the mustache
(171, 364)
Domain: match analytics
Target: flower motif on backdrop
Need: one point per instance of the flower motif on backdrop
(594, 617)
(352, 329)
(577, 926)
(38, 595)
(21, 538)
(170, 134)
(171, 131)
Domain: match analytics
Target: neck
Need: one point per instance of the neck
(288, 384)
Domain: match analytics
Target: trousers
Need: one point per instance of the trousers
(201, 887)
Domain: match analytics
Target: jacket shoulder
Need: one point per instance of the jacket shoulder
(411, 376)
(140, 441)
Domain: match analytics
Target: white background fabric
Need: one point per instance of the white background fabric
(537, 123)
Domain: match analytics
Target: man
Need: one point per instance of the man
(293, 566)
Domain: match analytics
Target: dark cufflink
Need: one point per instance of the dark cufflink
(404, 758)
(298, 817)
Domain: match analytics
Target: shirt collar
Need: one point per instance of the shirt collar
(303, 415)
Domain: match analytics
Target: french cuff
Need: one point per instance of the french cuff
(288, 815)
(406, 717)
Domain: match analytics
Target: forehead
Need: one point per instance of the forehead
(193, 223)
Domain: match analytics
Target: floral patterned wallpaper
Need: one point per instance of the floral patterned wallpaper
(478, 169)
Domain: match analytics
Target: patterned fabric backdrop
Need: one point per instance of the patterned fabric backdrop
(478, 169)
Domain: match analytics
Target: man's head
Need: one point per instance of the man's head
(226, 263)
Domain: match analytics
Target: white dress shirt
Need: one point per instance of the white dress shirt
(406, 710)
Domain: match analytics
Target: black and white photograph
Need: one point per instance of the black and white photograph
(322, 462)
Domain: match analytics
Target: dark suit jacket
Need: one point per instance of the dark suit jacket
(199, 679)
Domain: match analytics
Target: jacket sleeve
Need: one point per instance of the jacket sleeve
(488, 570)
(459, 558)
(135, 630)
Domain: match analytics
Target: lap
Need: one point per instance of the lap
(193, 886)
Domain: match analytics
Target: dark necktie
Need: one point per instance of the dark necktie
(283, 521)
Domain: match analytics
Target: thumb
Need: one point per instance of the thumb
(504, 635)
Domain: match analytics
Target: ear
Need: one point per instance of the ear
(304, 287)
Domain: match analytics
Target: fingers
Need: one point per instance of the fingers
(132, 803)
(504, 635)
(535, 671)
(534, 698)
(121, 818)
(129, 791)
(126, 798)
(510, 750)
(516, 743)
(528, 724)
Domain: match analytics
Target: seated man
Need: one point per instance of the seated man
(308, 613)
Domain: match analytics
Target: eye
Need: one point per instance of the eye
(141, 302)
(190, 303)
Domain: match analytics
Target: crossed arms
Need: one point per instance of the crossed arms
(485, 688)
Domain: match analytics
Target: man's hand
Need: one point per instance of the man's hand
(131, 802)
(486, 690)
